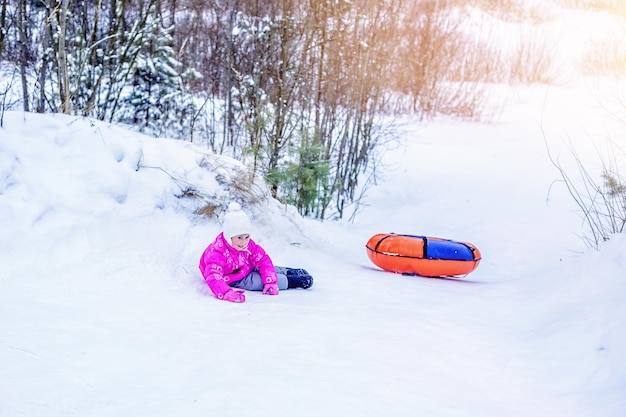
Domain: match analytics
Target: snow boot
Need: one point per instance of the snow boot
(298, 278)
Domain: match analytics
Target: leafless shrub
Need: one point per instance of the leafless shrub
(239, 183)
(532, 60)
(617, 7)
(514, 10)
(6, 102)
(606, 57)
(3, 97)
(600, 198)
(441, 64)
(469, 102)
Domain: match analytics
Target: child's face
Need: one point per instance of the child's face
(240, 242)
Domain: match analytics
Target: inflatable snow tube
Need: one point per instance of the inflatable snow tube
(421, 255)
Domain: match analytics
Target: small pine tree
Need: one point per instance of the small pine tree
(303, 181)
(155, 103)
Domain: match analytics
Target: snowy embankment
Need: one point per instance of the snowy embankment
(104, 313)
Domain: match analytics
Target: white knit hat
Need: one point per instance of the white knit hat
(236, 222)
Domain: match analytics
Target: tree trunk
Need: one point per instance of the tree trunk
(64, 88)
(3, 24)
(21, 22)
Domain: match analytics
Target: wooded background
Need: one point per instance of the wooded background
(304, 91)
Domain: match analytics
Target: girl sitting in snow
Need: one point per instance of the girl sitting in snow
(234, 263)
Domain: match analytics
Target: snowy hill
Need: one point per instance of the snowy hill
(104, 313)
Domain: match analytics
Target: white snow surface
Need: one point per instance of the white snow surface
(103, 311)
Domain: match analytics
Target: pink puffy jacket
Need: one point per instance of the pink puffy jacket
(221, 265)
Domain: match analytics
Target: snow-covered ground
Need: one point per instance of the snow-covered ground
(103, 311)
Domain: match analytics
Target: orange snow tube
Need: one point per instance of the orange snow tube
(421, 255)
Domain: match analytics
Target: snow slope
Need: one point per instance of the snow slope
(104, 313)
